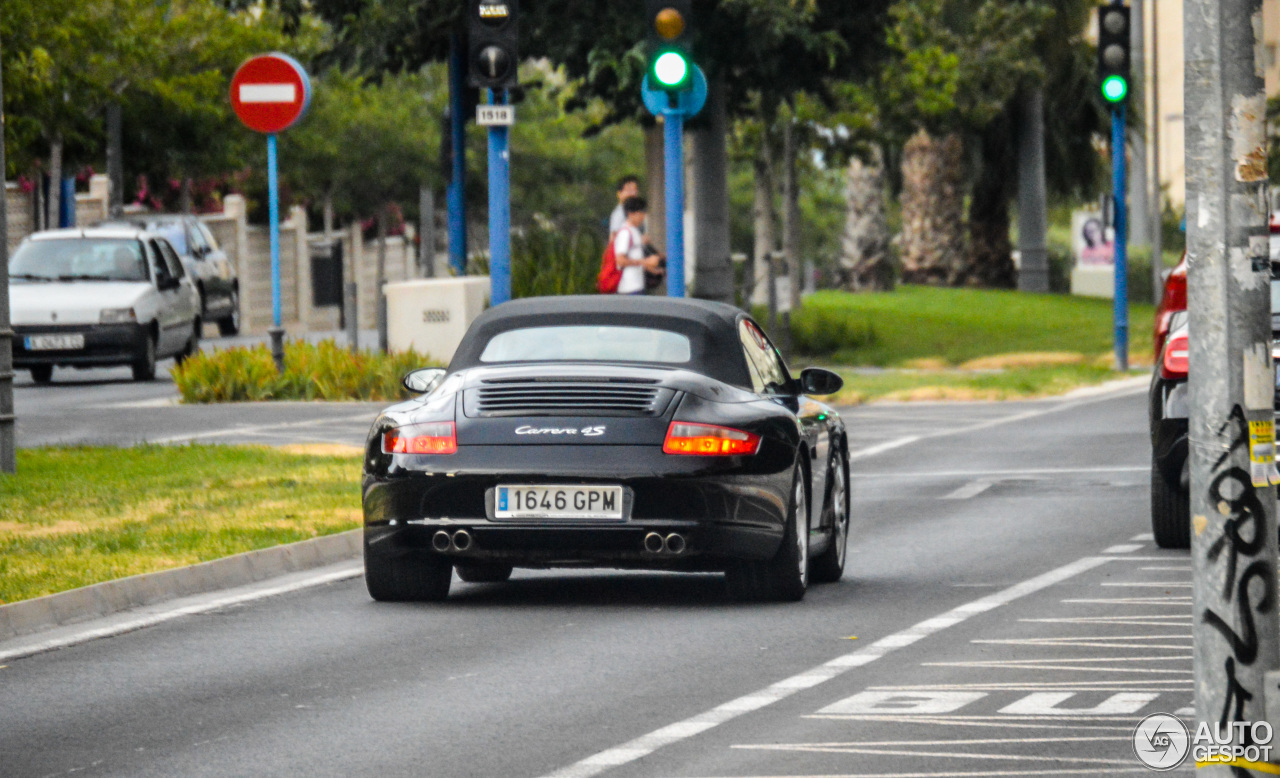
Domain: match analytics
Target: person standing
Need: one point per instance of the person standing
(628, 187)
(629, 251)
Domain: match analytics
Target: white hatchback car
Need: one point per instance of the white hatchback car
(100, 297)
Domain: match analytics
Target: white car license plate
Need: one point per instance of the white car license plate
(55, 343)
(559, 502)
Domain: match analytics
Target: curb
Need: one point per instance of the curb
(110, 597)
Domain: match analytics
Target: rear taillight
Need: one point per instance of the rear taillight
(433, 438)
(1176, 357)
(708, 440)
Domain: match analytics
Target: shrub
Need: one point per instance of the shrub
(547, 263)
(818, 330)
(324, 371)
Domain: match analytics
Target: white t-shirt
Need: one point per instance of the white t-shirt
(628, 243)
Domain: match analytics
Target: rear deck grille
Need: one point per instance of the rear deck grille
(541, 398)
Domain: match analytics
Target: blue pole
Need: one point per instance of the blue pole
(456, 195)
(499, 210)
(273, 197)
(1118, 175)
(674, 156)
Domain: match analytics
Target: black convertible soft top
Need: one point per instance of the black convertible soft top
(712, 328)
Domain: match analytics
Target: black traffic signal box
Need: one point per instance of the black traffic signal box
(493, 29)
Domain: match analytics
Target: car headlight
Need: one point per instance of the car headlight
(118, 316)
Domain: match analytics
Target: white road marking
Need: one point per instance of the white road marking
(940, 754)
(204, 605)
(1092, 642)
(1172, 620)
(984, 425)
(1144, 537)
(254, 429)
(157, 402)
(1046, 704)
(268, 93)
(1174, 600)
(1151, 585)
(903, 702)
(983, 774)
(1001, 473)
(1171, 568)
(970, 490)
(1124, 548)
(647, 744)
(1106, 723)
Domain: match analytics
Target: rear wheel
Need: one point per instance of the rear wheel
(785, 577)
(42, 374)
(144, 364)
(231, 324)
(407, 579)
(828, 567)
(193, 344)
(481, 572)
(1170, 512)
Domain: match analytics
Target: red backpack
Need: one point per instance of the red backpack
(610, 276)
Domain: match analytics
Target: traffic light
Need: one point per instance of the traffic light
(493, 28)
(670, 34)
(1114, 52)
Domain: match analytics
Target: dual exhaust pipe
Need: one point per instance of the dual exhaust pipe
(459, 541)
(674, 543)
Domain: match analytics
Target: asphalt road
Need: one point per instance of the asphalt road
(1011, 617)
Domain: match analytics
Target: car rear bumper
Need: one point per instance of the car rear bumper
(720, 516)
(104, 344)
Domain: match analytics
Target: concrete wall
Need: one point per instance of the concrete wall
(21, 208)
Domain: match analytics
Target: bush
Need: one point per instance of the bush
(548, 263)
(323, 371)
(819, 330)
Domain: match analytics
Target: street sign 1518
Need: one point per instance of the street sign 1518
(495, 115)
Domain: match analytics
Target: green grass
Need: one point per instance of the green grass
(963, 344)
(323, 371)
(959, 325)
(72, 517)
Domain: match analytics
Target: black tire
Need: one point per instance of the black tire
(407, 579)
(231, 324)
(481, 572)
(785, 578)
(144, 364)
(828, 567)
(42, 374)
(1170, 512)
(193, 344)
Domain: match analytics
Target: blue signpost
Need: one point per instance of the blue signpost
(1119, 184)
(270, 93)
(675, 108)
(499, 196)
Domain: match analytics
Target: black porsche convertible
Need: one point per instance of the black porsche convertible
(621, 432)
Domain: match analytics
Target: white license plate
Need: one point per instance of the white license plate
(559, 502)
(55, 342)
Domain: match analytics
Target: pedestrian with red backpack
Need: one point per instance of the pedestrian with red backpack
(622, 270)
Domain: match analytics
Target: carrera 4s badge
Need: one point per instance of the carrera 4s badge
(586, 432)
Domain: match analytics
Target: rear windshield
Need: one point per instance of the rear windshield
(172, 232)
(588, 344)
(79, 259)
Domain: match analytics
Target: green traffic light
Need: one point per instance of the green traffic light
(1115, 88)
(671, 69)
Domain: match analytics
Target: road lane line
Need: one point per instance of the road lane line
(970, 490)
(988, 424)
(647, 744)
(256, 592)
(255, 428)
(1124, 548)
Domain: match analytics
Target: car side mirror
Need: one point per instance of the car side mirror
(820, 382)
(167, 283)
(423, 381)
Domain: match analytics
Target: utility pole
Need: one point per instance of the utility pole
(1232, 383)
(1157, 208)
(8, 445)
(1139, 226)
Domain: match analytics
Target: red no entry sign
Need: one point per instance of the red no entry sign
(270, 92)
